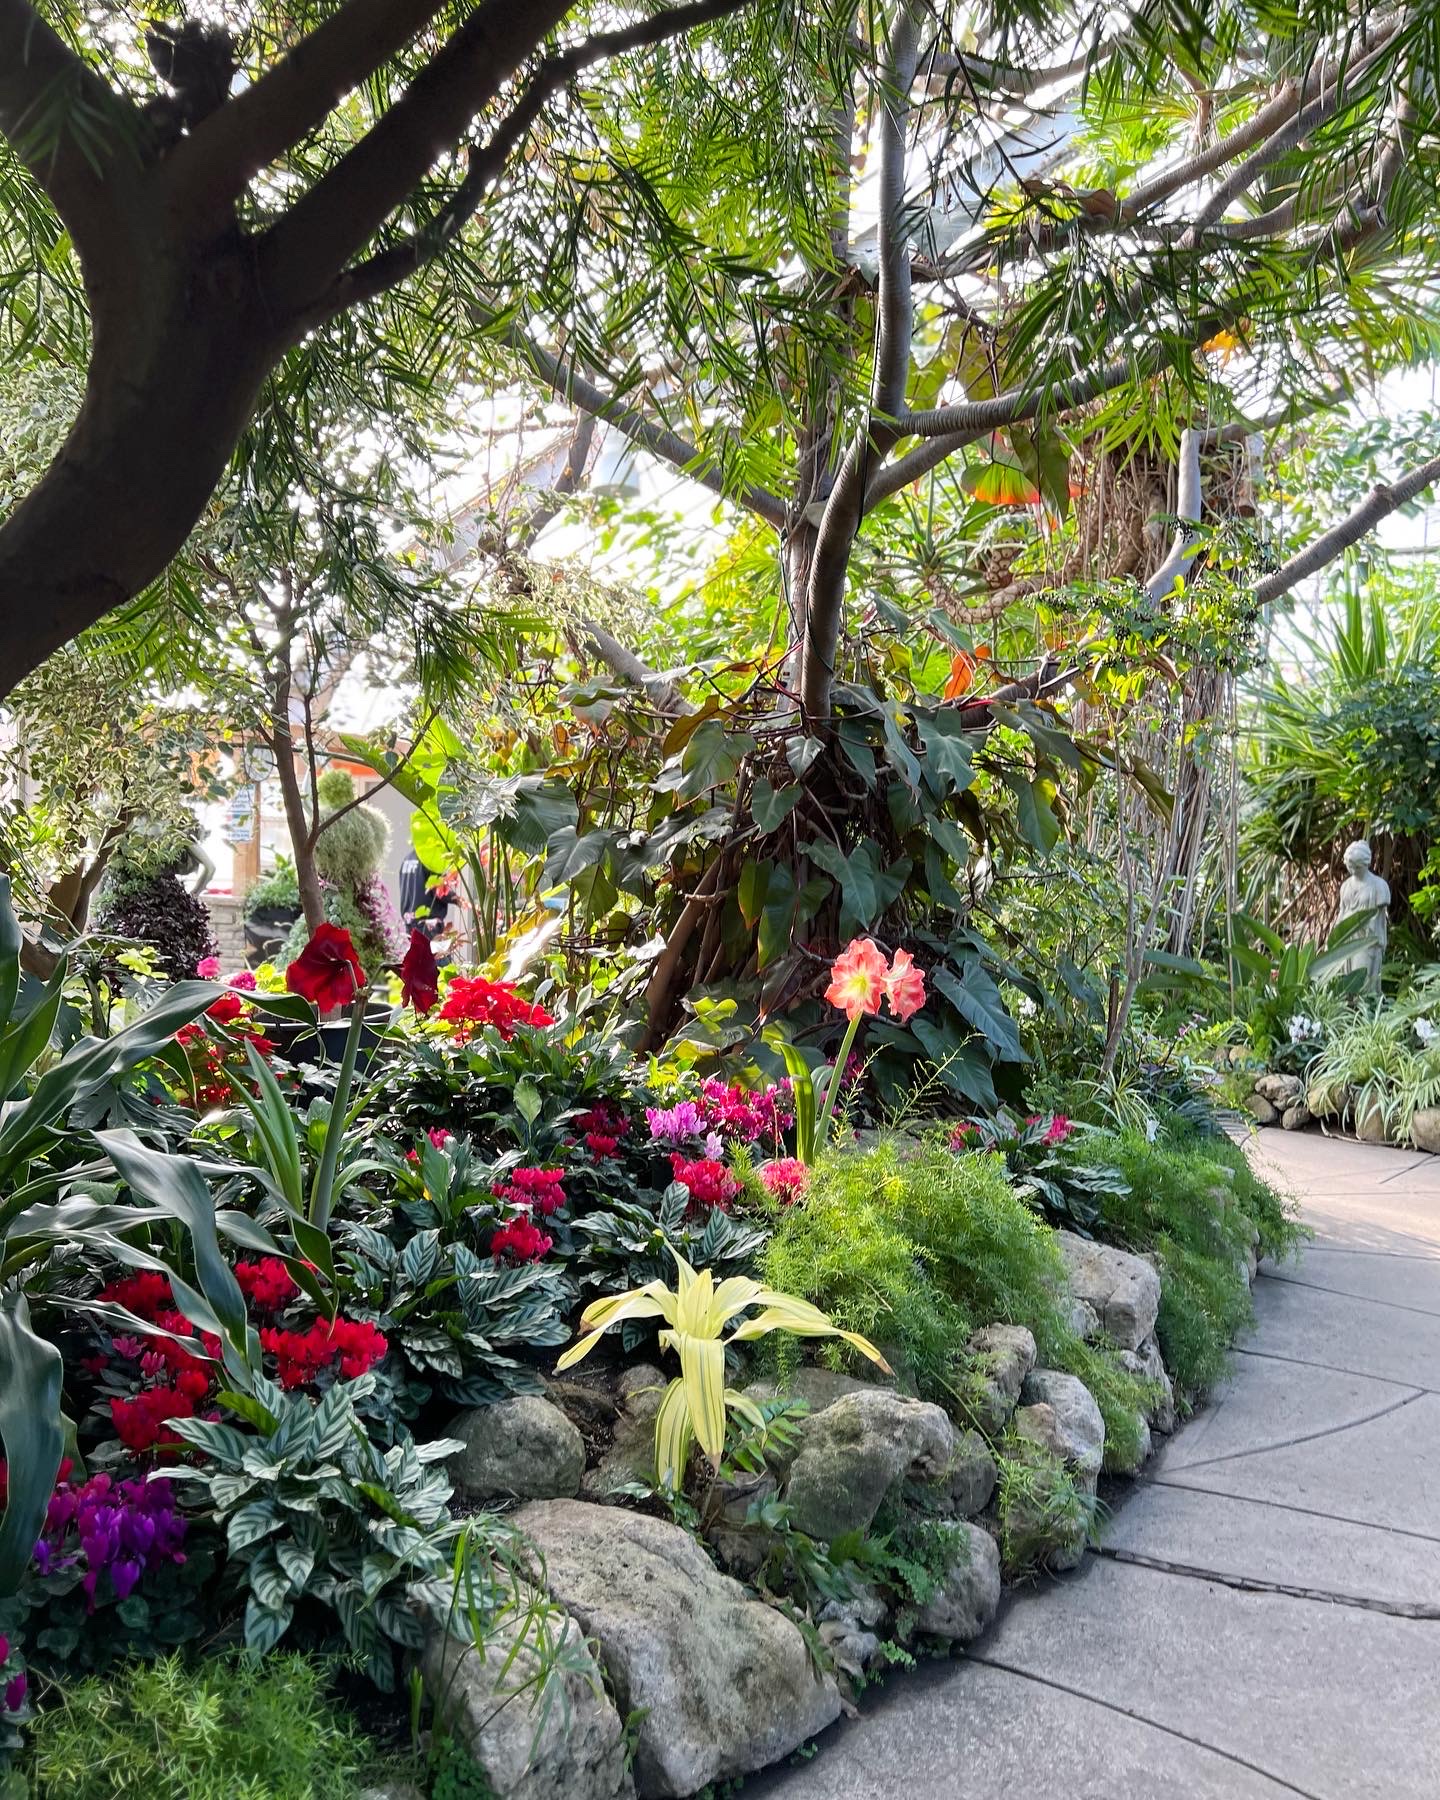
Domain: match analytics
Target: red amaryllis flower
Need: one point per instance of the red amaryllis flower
(327, 971)
(419, 974)
(857, 978)
(904, 986)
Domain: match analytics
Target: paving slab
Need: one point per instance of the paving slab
(1342, 1703)
(1260, 1544)
(1267, 1402)
(971, 1732)
(1409, 1281)
(1336, 1331)
(1384, 1472)
(1378, 1219)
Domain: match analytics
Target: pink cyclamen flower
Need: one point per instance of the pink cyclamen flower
(208, 968)
(787, 1178)
(857, 978)
(244, 979)
(905, 986)
(1060, 1128)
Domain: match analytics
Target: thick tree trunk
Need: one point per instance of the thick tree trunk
(179, 355)
(302, 835)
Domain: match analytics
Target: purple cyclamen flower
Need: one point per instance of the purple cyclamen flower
(674, 1124)
(15, 1690)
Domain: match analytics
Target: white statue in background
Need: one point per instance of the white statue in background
(1363, 892)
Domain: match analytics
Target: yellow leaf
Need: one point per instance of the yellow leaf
(672, 1437)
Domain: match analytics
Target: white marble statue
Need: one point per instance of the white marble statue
(1362, 892)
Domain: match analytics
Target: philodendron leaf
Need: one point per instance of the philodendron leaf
(33, 1433)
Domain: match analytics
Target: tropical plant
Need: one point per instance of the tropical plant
(157, 909)
(313, 1511)
(696, 1312)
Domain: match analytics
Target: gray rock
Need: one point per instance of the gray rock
(1370, 1126)
(969, 1481)
(817, 1387)
(721, 1684)
(1260, 1109)
(1045, 1508)
(851, 1455)
(1129, 1461)
(521, 1448)
(1003, 1356)
(741, 1546)
(969, 1593)
(1147, 1363)
(849, 1628)
(573, 1749)
(1296, 1116)
(1425, 1129)
(391, 1790)
(1123, 1289)
(630, 1457)
(1060, 1414)
(1281, 1090)
(1082, 1318)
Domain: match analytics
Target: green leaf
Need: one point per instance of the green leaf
(947, 746)
(251, 1523)
(32, 1431)
(770, 807)
(977, 1000)
(751, 889)
(1038, 824)
(264, 1626)
(800, 753)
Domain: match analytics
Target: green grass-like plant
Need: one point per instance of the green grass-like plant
(222, 1730)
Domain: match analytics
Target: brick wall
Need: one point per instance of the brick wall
(229, 929)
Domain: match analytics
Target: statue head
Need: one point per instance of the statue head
(1357, 857)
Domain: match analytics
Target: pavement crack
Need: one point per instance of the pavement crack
(1290, 1506)
(1127, 1712)
(1316, 1287)
(1307, 1362)
(1305, 1437)
(1253, 1584)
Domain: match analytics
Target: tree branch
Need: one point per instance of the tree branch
(43, 83)
(252, 130)
(623, 661)
(825, 599)
(308, 248)
(578, 390)
(1188, 508)
(547, 507)
(1386, 498)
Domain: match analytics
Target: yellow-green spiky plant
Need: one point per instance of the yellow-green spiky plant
(696, 1313)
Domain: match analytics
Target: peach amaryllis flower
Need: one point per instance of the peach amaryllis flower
(905, 986)
(857, 979)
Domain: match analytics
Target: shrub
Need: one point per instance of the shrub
(159, 909)
(1192, 1200)
(923, 1245)
(225, 1730)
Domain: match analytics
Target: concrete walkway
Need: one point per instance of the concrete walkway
(1263, 1616)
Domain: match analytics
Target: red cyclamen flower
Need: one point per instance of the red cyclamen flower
(520, 1241)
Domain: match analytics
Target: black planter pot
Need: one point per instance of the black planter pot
(334, 1032)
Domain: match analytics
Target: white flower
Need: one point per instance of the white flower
(1026, 1007)
(1301, 1028)
(1427, 1032)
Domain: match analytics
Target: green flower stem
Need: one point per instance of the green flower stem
(827, 1111)
(321, 1196)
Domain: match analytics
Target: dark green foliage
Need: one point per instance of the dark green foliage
(457, 1775)
(226, 1730)
(158, 909)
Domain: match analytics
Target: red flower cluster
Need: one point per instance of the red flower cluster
(734, 1110)
(148, 1295)
(209, 1059)
(710, 1182)
(520, 1241)
(537, 1190)
(602, 1128)
(473, 1002)
(141, 1424)
(267, 1285)
(302, 1356)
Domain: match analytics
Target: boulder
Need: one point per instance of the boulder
(630, 1457)
(1060, 1415)
(1123, 1289)
(391, 1790)
(1128, 1456)
(851, 1455)
(1147, 1363)
(969, 1591)
(573, 1749)
(718, 1684)
(1260, 1109)
(1281, 1090)
(741, 1546)
(817, 1387)
(1370, 1126)
(1082, 1318)
(1296, 1116)
(1045, 1509)
(969, 1479)
(1425, 1129)
(521, 1448)
(1003, 1356)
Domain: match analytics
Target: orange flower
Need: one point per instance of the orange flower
(962, 673)
(905, 986)
(857, 978)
